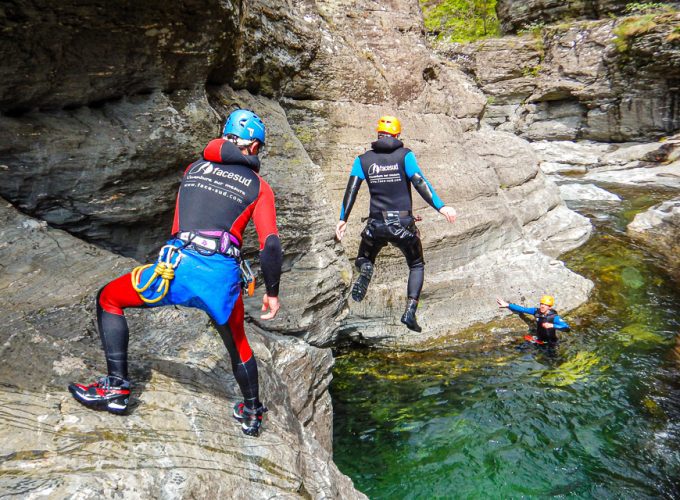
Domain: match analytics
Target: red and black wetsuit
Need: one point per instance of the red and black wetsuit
(218, 195)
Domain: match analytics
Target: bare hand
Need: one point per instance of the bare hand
(340, 229)
(548, 325)
(501, 302)
(449, 213)
(271, 303)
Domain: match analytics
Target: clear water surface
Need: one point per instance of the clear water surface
(600, 418)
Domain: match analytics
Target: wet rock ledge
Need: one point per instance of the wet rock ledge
(180, 440)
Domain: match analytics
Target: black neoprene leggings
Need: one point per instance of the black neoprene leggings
(377, 234)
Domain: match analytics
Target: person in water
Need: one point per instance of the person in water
(390, 170)
(218, 195)
(547, 319)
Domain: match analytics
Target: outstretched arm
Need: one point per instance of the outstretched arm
(523, 310)
(425, 189)
(356, 177)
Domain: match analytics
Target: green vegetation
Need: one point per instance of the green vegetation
(643, 17)
(461, 20)
(631, 27)
(534, 28)
(637, 8)
(531, 71)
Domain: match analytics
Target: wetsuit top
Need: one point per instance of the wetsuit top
(222, 192)
(544, 334)
(390, 169)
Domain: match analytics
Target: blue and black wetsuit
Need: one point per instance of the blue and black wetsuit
(542, 333)
(390, 169)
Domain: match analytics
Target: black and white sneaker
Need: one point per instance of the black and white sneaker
(107, 393)
(361, 284)
(251, 420)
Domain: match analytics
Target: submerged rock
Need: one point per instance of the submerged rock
(659, 229)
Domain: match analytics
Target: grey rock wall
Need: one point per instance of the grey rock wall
(581, 81)
(515, 15)
(106, 170)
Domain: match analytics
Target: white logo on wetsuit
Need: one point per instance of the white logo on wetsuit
(376, 169)
(208, 168)
(202, 168)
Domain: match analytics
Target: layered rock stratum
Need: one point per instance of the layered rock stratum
(607, 80)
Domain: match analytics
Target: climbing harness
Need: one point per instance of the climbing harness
(210, 245)
(165, 269)
(247, 277)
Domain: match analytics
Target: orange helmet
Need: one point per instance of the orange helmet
(548, 300)
(389, 125)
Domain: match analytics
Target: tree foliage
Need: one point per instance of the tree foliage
(461, 20)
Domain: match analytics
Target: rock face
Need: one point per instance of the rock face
(107, 163)
(517, 15)
(653, 164)
(601, 81)
(179, 440)
(98, 130)
(659, 229)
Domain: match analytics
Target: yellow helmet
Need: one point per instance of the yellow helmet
(389, 125)
(548, 300)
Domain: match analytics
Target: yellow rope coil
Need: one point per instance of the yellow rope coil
(164, 270)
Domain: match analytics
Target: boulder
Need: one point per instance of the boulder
(659, 229)
(106, 167)
(574, 191)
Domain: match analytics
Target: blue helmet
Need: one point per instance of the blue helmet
(245, 125)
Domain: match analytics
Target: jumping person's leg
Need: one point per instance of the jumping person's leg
(368, 251)
(412, 249)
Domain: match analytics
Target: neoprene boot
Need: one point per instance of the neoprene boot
(409, 316)
(250, 420)
(361, 284)
(107, 393)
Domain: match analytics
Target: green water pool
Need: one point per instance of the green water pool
(600, 418)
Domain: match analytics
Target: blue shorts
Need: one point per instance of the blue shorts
(211, 283)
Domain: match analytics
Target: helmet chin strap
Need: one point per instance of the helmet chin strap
(246, 147)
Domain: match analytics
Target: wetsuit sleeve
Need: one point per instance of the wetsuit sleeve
(560, 324)
(356, 177)
(271, 256)
(519, 309)
(419, 181)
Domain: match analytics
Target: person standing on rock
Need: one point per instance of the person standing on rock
(199, 267)
(547, 319)
(390, 170)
